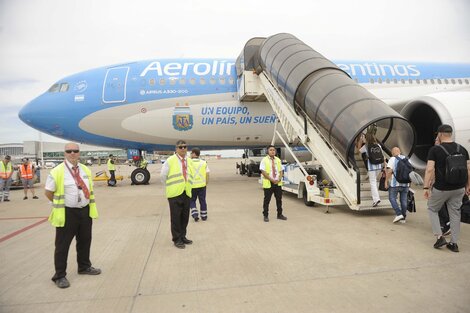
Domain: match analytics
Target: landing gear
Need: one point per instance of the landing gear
(306, 202)
(140, 176)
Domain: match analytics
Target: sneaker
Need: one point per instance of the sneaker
(25, 198)
(196, 219)
(398, 218)
(6, 200)
(440, 242)
(266, 219)
(35, 197)
(180, 245)
(90, 271)
(204, 218)
(376, 203)
(453, 247)
(62, 283)
(281, 217)
(403, 221)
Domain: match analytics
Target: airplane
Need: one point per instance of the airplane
(149, 105)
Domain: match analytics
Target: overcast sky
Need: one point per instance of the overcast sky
(42, 41)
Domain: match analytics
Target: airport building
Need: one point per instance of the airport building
(55, 151)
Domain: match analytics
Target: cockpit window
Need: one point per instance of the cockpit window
(54, 88)
(64, 87)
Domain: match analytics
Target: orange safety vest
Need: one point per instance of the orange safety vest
(26, 173)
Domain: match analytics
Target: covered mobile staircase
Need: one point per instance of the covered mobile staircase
(319, 105)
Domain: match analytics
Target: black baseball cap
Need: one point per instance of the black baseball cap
(7, 157)
(444, 128)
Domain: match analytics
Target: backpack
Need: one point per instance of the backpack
(456, 167)
(403, 170)
(375, 154)
(465, 210)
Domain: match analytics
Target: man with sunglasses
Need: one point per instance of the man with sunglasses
(69, 187)
(177, 175)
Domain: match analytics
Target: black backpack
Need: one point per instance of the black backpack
(456, 167)
(465, 210)
(403, 170)
(375, 154)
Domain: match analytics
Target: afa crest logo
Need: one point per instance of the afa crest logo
(182, 118)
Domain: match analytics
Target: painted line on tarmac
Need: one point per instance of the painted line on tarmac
(22, 230)
(21, 218)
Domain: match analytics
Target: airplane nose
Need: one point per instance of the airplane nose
(25, 113)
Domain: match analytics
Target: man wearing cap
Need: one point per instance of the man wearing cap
(6, 170)
(27, 172)
(447, 188)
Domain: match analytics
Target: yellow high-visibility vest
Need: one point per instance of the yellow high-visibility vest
(267, 169)
(175, 182)
(111, 166)
(199, 170)
(57, 217)
(5, 170)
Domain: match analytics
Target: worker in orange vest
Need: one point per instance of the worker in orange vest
(27, 172)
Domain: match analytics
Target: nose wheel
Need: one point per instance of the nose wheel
(140, 176)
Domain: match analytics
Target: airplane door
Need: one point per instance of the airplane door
(114, 87)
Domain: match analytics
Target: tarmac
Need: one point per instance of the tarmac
(344, 261)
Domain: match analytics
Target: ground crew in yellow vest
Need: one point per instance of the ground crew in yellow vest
(200, 181)
(112, 171)
(6, 170)
(271, 170)
(177, 175)
(69, 187)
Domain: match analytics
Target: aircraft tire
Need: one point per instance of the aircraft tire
(140, 176)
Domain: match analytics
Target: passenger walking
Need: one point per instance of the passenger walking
(70, 189)
(272, 173)
(6, 170)
(375, 162)
(200, 181)
(448, 165)
(177, 175)
(398, 171)
(27, 172)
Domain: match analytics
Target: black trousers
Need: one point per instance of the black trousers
(78, 224)
(112, 175)
(268, 192)
(179, 216)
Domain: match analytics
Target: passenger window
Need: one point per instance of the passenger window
(64, 87)
(162, 81)
(222, 80)
(446, 81)
(231, 81)
(192, 81)
(212, 81)
(371, 80)
(54, 88)
(395, 81)
(152, 81)
(439, 81)
(182, 81)
(202, 81)
(453, 81)
(387, 81)
(379, 80)
(402, 81)
(172, 80)
(410, 81)
(466, 81)
(432, 81)
(425, 81)
(460, 81)
(418, 81)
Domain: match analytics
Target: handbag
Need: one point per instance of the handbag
(382, 182)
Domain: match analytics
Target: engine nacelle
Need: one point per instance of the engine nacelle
(428, 112)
